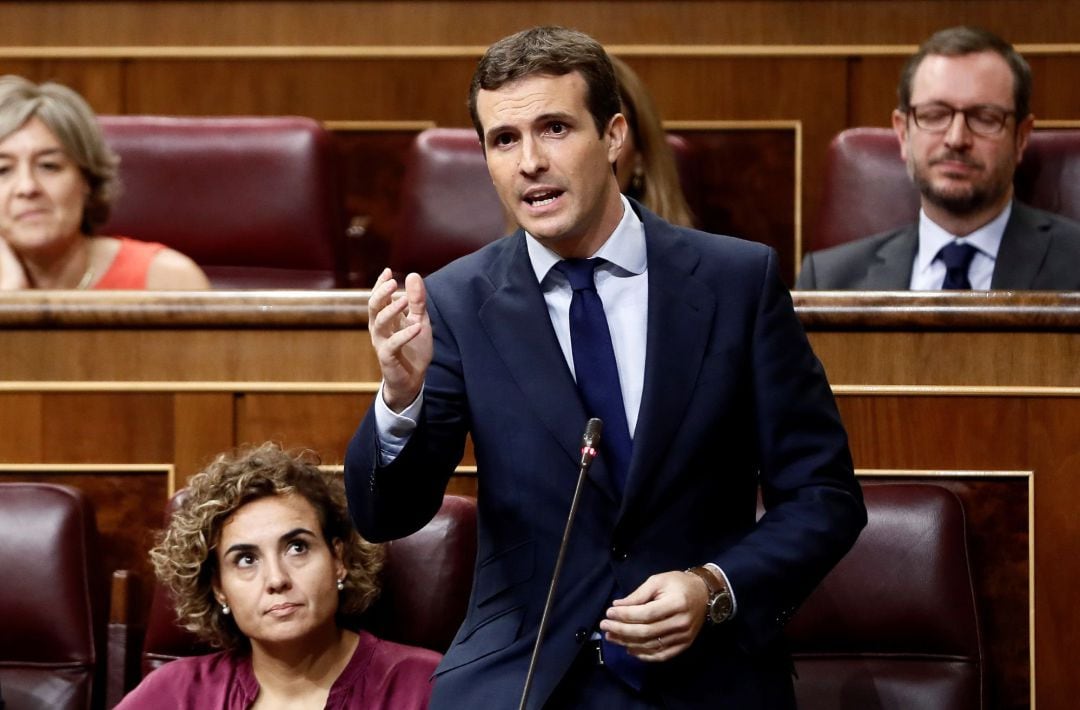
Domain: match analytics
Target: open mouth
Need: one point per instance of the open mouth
(542, 198)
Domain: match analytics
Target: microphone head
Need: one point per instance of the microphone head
(591, 438)
(589, 441)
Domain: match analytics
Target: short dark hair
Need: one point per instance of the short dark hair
(554, 51)
(960, 41)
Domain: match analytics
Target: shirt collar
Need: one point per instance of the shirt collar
(987, 238)
(625, 248)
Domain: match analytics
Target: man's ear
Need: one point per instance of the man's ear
(616, 136)
(900, 128)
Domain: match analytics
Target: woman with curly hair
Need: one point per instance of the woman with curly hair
(262, 560)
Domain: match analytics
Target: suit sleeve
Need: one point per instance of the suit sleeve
(392, 501)
(813, 504)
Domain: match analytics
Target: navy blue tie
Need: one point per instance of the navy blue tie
(598, 382)
(594, 365)
(957, 258)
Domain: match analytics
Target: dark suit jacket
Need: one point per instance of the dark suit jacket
(1039, 251)
(731, 388)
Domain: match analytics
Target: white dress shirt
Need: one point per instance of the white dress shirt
(928, 271)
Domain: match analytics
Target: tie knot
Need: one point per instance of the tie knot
(957, 256)
(579, 272)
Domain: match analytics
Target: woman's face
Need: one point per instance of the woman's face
(42, 191)
(276, 571)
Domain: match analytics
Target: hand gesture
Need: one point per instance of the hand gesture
(660, 619)
(12, 273)
(401, 333)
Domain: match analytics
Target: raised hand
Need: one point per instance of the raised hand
(401, 333)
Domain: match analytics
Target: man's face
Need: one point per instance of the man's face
(958, 171)
(550, 167)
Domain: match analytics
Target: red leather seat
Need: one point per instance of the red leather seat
(894, 624)
(254, 201)
(449, 207)
(52, 599)
(867, 189)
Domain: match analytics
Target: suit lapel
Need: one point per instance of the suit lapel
(532, 355)
(1023, 249)
(680, 317)
(894, 260)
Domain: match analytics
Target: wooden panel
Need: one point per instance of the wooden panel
(756, 201)
(479, 22)
(20, 424)
(373, 174)
(322, 422)
(100, 81)
(204, 427)
(326, 89)
(181, 355)
(104, 428)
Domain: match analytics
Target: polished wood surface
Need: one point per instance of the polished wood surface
(945, 383)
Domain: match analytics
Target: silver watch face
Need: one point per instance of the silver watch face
(720, 607)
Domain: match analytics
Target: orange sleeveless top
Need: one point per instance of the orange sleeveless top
(130, 266)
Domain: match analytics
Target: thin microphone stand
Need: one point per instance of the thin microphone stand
(589, 441)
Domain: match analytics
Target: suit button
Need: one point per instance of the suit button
(619, 553)
(581, 635)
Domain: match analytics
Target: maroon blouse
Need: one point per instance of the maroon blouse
(381, 675)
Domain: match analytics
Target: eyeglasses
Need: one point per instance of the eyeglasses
(983, 120)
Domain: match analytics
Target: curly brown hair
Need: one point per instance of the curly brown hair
(184, 558)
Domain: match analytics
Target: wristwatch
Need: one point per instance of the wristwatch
(718, 608)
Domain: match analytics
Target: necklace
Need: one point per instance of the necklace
(84, 282)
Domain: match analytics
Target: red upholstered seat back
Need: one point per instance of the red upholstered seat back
(52, 599)
(426, 584)
(449, 207)
(894, 625)
(867, 189)
(254, 201)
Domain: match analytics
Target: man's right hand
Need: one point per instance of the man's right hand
(401, 333)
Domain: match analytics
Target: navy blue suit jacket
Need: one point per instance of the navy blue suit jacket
(733, 399)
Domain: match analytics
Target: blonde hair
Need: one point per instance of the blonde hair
(74, 124)
(659, 188)
(184, 558)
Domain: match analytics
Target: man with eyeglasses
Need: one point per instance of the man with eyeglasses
(963, 122)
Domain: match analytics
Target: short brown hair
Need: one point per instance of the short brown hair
(74, 124)
(554, 51)
(961, 41)
(184, 558)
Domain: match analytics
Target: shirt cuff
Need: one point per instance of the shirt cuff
(394, 429)
(731, 590)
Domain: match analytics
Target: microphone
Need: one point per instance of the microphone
(590, 440)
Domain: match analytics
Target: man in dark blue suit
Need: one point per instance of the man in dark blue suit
(672, 593)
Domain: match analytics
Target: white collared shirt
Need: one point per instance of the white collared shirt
(623, 285)
(928, 271)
